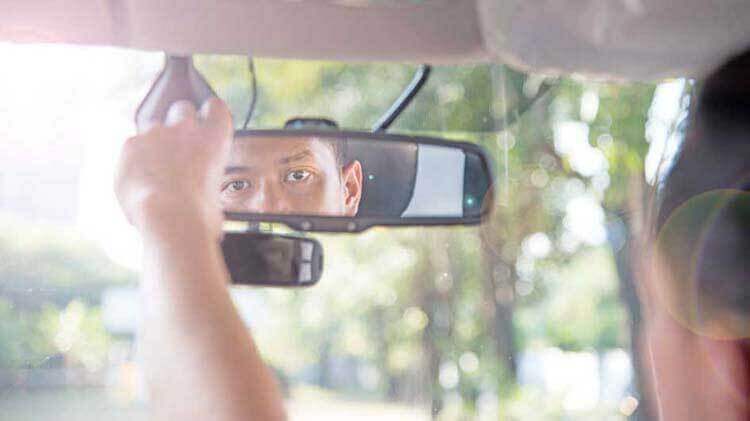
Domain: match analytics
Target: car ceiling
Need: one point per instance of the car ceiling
(620, 39)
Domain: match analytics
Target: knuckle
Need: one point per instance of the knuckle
(218, 104)
(184, 105)
(185, 123)
(130, 142)
(149, 131)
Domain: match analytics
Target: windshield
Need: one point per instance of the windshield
(356, 95)
(528, 316)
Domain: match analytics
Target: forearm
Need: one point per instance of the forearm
(201, 361)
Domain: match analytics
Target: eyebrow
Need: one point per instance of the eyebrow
(235, 169)
(296, 157)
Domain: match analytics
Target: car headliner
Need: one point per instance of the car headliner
(630, 39)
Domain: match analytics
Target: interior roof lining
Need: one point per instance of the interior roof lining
(620, 39)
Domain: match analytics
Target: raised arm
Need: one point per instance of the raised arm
(200, 360)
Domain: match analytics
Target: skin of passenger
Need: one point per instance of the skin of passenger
(695, 296)
(290, 175)
(200, 361)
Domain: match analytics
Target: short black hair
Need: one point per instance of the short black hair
(339, 146)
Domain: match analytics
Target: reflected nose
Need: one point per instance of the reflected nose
(267, 199)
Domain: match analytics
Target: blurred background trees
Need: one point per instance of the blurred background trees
(464, 321)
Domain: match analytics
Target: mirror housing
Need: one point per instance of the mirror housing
(179, 80)
(404, 180)
(265, 259)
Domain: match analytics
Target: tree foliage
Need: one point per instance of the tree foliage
(426, 314)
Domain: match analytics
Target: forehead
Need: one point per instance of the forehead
(267, 148)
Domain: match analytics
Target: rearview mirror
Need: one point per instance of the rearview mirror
(331, 180)
(264, 259)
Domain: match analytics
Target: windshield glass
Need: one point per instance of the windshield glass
(356, 95)
(528, 316)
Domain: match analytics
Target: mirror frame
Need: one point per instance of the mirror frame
(316, 259)
(359, 224)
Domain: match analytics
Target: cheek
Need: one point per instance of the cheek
(308, 199)
(331, 195)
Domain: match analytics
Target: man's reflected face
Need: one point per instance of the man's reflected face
(290, 175)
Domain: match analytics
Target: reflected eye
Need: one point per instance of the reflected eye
(236, 186)
(297, 176)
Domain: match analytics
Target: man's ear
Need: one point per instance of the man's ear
(352, 180)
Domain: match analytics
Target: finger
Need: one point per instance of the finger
(180, 112)
(148, 125)
(215, 121)
(215, 116)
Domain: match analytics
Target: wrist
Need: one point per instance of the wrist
(169, 216)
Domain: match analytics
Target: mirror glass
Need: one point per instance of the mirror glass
(387, 178)
(265, 259)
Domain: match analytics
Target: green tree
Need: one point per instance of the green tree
(459, 292)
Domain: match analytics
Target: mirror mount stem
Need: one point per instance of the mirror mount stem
(178, 80)
(403, 101)
(253, 92)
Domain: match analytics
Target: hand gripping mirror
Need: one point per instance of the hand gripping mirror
(259, 259)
